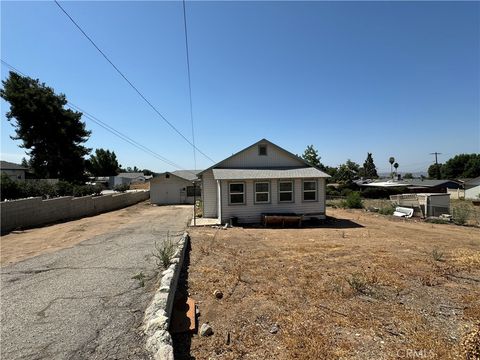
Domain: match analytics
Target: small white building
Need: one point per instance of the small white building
(472, 189)
(175, 187)
(262, 179)
(126, 179)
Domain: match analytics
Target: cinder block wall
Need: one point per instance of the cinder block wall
(26, 213)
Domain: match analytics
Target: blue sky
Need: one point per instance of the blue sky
(392, 78)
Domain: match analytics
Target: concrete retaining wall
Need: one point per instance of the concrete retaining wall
(26, 213)
(159, 312)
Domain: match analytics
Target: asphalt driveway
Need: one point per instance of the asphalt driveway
(82, 302)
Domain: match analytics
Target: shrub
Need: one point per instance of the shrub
(121, 188)
(64, 188)
(353, 201)
(461, 214)
(9, 188)
(387, 210)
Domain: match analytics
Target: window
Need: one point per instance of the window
(237, 193)
(190, 191)
(285, 191)
(167, 176)
(262, 150)
(262, 192)
(309, 190)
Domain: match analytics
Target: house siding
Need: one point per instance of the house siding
(165, 191)
(251, 159)
(209, 194)
(251, 212)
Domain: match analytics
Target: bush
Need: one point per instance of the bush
(461, 214)
(64, 188)
(353, 201)
(9, 188)
(386, 210)
(121, 188)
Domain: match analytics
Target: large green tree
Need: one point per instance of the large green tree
(435, 171)
(311, 156)
(347, 172)
(103, 163)
(52, 135)
(369, 169)
(462, 166)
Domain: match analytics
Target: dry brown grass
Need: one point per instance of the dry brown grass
(370, 292)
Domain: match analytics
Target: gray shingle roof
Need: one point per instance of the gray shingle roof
(131, 175)
(5, 165)
(189, 175)
(244, 174)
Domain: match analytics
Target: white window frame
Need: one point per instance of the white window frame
(291, 191)
(255, 192)
(236, 193)
(305, 191)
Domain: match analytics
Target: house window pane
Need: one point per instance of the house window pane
(236, 198)
(309, 195)
(261, 197)
(285, 186)
(261, 187)
(286, 196)
(262, 149)
(310, 185)
(236, 188)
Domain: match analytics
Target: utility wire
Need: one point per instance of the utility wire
(189, 83)
(111, 129)
(129, 82)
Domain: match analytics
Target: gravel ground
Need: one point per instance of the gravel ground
(81, 302)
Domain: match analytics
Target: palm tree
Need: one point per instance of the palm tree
(391, 161)
(396, 167)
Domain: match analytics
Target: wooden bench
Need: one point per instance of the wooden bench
(282, 219)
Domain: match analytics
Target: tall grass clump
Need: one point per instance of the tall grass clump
(164, 252)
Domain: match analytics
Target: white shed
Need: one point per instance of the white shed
(175, 188)
(472, 189)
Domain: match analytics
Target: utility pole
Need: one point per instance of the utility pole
(436, 158)
(436, 164)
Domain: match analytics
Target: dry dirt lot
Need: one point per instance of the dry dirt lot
(362, 286)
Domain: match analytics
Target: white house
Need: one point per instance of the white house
(472, 189)
(175, 188)
(126, 179)
(262, 179)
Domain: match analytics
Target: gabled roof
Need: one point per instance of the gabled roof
(189, 175)
(5, 165)
(302, 161)
(475, 181)
(245, 174)
(131, 175)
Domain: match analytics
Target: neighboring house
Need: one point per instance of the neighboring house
(262, 178)
(126, 179)
(14, 171)
(417, 185)
(472, 189)
(175, 188)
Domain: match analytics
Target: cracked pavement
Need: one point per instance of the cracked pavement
(81, 302)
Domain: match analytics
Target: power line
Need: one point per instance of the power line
(111, 129)
(189, 82)
(129, 82)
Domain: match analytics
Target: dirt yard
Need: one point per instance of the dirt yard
(362, 286)
(20, 245)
